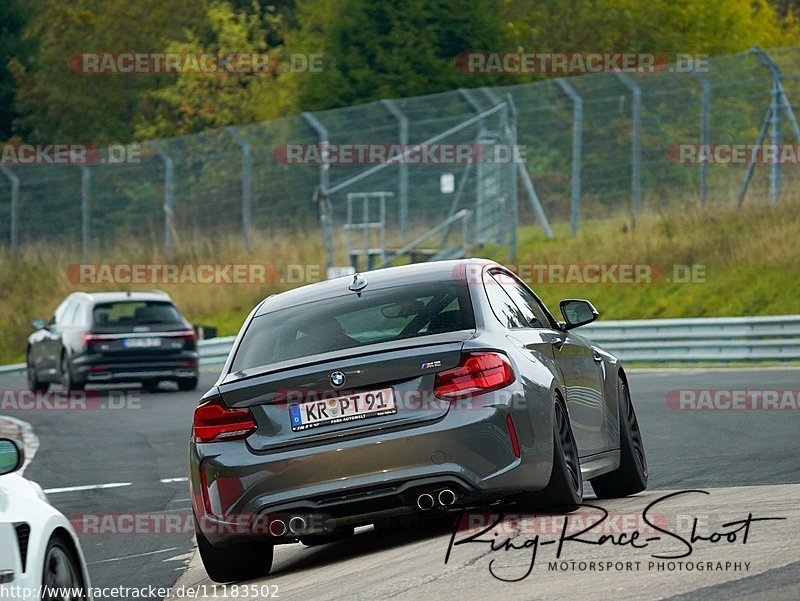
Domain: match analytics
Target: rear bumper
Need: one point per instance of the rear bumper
(355, 481)
(99, 370)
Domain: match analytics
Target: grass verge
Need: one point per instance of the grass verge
(744, 263)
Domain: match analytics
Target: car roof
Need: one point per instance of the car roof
(123, 296)
(431, 271)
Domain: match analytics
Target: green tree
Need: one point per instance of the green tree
(13, 16)
(194, 102)
(388, 48)
(666, 26)
(56, 103)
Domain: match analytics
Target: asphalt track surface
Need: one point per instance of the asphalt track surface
(746, 460)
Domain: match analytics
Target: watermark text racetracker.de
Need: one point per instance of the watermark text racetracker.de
(56, 153)
(579, 63)
(192, 273)
(69, 400)
(194, 63)
(591, 273)
(185, 523)
(734, 154)
(734, 399)
(377, 153)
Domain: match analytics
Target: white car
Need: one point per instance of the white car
(40, 557)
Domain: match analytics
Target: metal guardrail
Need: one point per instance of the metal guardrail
(716, 339)
(212, 352)
(215, 351)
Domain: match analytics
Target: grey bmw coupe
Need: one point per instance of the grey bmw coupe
(405, 390)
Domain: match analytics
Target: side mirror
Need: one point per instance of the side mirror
(12, 456)
(38, 324)
(577, 312)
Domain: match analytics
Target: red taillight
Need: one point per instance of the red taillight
(88, 339)
(512, 434)
(215, 423)
(478, 373)
(185, 335)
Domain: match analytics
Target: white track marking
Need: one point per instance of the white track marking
(170, 480)
(185, 558)
(133, 556)
(692, 370)
(55, 491)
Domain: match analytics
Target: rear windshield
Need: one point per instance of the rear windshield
(351, 321)
(135, 313)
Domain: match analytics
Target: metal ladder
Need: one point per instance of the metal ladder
(359, 238)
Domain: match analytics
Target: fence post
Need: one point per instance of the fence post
(705, 120)
(402, 168)
(14, 212)
(247, 185)
(778, 101)
(775, 135)
(511, 124)
(522, 171)
(636, 143)
(479, 203)
(86, 212)
(322, 193)
(751, 165)
(169, 196)
(577, 150)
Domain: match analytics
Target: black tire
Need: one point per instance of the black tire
(631, 475)
(564, 491)
(34, 383)
(67, 381)
(186, 384)
(245, 561)
(150, 385)
(61, 570)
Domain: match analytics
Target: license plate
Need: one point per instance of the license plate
(141, 342)
(353, 407)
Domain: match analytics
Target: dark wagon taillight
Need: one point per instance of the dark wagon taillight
(88, 339)
(213, 422)
(189, 338)
(478, 373)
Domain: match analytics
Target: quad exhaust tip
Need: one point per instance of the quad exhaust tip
(425, 502)
(297, 524)
(277, 527)
(447, 497)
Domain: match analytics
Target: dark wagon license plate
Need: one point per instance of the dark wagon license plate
(356, 406)
(141, 342)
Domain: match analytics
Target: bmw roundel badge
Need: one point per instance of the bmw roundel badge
(337, 379)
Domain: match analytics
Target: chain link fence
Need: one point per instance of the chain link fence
(594, 146)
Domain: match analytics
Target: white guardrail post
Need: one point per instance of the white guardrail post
(713, 339)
